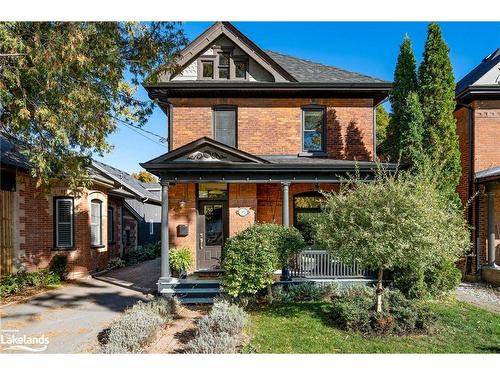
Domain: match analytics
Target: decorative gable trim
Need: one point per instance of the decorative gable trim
(209, 36)
(206, 150)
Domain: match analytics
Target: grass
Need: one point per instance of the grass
(305, 328)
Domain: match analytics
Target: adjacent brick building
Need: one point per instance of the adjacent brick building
(478, 127)
(90, 226)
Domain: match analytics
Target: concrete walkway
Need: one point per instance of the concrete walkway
(481, 295)
(71, 317)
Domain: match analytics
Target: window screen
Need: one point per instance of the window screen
(225, 126)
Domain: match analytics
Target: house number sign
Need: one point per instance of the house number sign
(243, 212)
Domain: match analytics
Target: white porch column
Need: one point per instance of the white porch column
(165, 268)
(285, 208)
(491, 227)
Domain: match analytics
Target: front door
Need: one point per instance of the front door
(212, 232)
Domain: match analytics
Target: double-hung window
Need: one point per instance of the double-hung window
(313, 132)
(95, 223)
(63, 222)
(225, 125)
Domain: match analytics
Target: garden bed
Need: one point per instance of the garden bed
(306, 328)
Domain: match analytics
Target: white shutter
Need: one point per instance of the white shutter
(64, 222)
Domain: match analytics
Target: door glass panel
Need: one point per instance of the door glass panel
(212, 190)
(213, 224)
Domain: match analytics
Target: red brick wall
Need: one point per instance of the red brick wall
(269, 200)
(349, 125)
(34, 232)
(487, 134)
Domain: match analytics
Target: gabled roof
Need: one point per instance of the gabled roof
(309, 71)
(470, 81)
(218, 29)
(205, 150)
(126, 180)
(11, 156)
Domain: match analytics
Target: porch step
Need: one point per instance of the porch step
(192, 292)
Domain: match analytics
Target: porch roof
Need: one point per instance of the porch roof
(208, 160)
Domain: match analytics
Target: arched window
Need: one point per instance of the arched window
(95, 222)
(306, 206)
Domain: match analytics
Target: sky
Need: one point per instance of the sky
(364, 47)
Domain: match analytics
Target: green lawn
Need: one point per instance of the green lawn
(305, 328)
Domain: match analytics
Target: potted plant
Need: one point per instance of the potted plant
(181, 260)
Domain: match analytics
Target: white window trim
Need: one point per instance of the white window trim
(99, 203)
(151, 227)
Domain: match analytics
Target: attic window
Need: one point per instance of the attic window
(223, 65)
(208, 69)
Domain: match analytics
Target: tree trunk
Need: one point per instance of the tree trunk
(270, 294)
(380, 289)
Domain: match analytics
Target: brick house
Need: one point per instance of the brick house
(254, 136)
(90, 226)
(478, 126)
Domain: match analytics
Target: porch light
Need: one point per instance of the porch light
(182, 203)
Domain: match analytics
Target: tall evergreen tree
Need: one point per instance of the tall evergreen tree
(436, 91)
(411, 130)
(405, 81)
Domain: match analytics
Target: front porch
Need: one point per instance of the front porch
(211, 191)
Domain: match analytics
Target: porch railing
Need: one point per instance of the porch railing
(319, 264)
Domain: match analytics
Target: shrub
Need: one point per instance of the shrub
(394, 222)
(116, 263)
(59, 266)
(181, 259)
(137, 325)
(219, 331)
(354, 310)
(224, 317)
(304, 292)
(434, 281)
(210, 343)
(351, 309)
(22, 281)
(141, 254)
(254, 254)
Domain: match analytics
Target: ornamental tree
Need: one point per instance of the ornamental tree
(65, 85)
(411, 132)
(392, 223)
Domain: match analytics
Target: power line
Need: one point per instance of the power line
(138, 128)
(144, 135)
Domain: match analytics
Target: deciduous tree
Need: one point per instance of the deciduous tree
(64, 86)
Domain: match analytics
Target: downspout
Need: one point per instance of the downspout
(470, 188)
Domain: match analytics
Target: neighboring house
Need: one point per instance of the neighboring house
(90, 226)
(254, 135)
(478, 126)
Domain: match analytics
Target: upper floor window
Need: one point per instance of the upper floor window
(95, 223)
(225, 125)
(63, 222)
(207, 69)
(313, 132)
(223, 65)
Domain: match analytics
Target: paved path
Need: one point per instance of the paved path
(141, 277)
(71, 317)
(480, 295)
